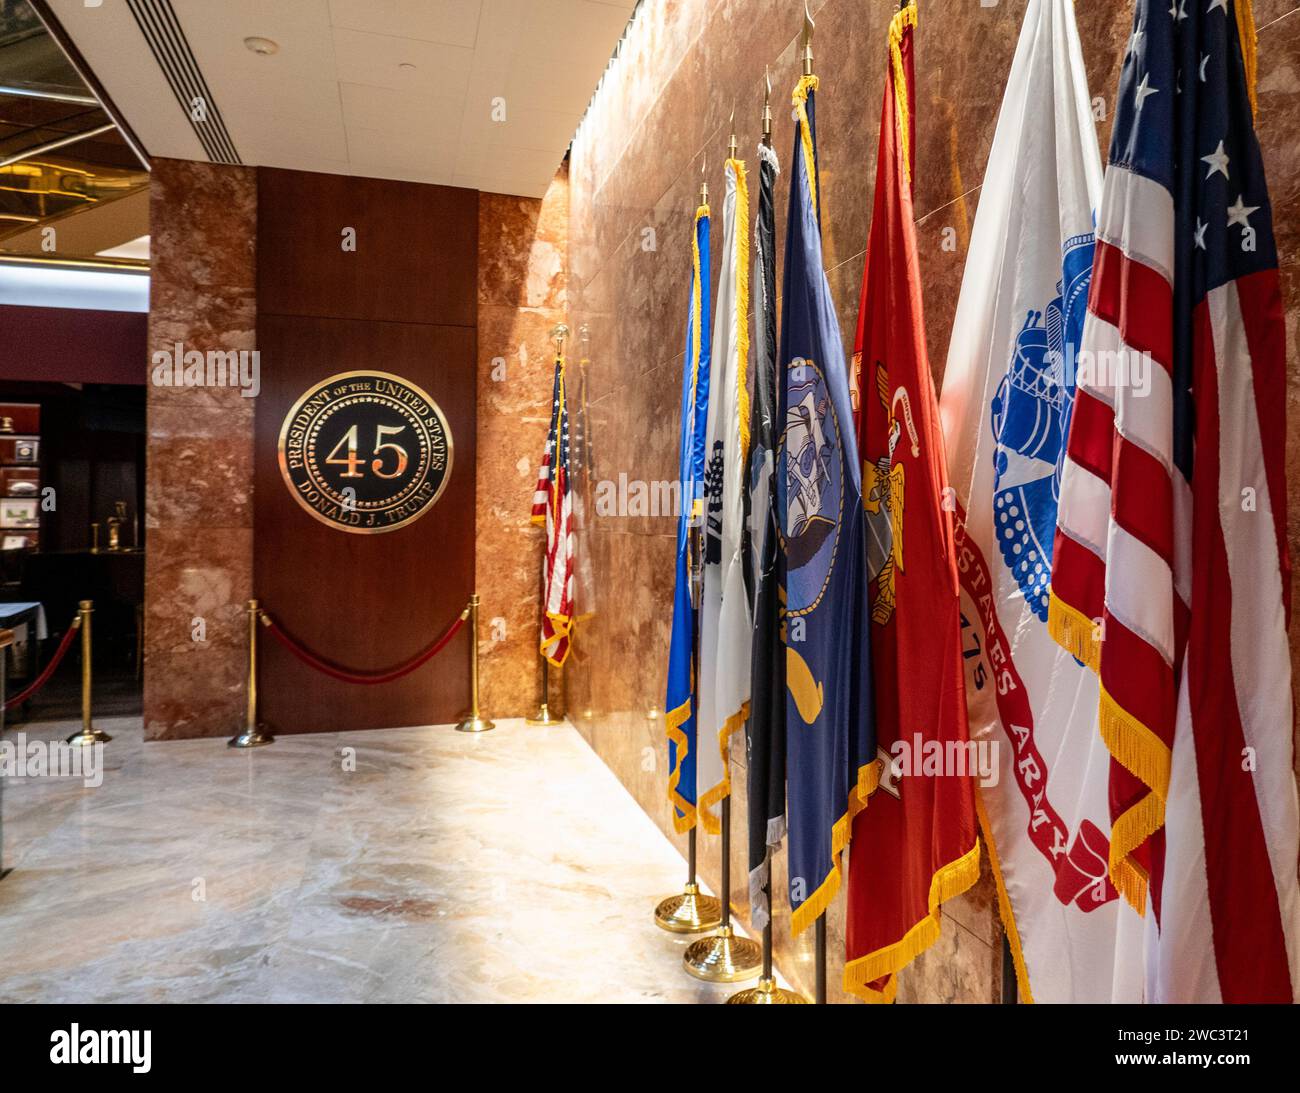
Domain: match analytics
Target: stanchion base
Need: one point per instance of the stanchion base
(767, 993)
(542, 717)
(723, 957)
(475, 724)
(85, 738)
(250, 738)
(689, 912)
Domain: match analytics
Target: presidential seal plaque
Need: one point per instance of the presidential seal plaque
(365, 452)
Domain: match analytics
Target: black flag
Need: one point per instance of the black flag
(766, 730)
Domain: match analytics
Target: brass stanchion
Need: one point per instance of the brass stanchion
(474, 721)
(252, 736)
(88, 734)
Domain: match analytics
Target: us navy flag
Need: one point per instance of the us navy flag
(830, 738)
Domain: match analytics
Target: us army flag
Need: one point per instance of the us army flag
(915, 845)
(1008, 393)
(724, 607)
(765, 731)
(680, 707)
(830, 744)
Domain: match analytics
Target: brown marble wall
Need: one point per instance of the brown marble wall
(199, 509)
(199, 466)
(522, 287)
(636, 167)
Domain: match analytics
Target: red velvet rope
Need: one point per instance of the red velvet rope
(313, 661)
(42, 679)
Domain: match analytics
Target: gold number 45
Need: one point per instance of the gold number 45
(353, 462)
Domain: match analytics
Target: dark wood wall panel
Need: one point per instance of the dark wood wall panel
(416, 257)
(369, 601)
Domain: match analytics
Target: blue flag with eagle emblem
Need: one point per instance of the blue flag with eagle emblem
(830, 741)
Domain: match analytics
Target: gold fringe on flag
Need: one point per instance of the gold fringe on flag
(674, 719)
(949, 881)
(1143, 753)
(1004, 905)
(742, 300)
(904, 18)
(1249, 48)
(800, 102)
(811, 909)
(1133, 744)
(1074, 632)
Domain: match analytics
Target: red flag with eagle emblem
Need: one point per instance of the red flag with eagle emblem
(915, 844)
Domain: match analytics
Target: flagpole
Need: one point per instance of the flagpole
(543, 716)
(820, 924)
(691, 912)
(767, 993)
(723, 957)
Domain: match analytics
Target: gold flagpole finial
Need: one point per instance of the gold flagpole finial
(807, 40)
(767, 106)
(559, 332)
(732, 146)
(704, 186)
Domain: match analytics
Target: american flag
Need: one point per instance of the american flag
(553, 507)
(1171, 576)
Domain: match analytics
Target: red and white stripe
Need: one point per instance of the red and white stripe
(1190, 590)
(553, 505)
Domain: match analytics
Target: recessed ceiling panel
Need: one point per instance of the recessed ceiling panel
(481, 93)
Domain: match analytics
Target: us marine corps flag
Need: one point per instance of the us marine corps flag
(680, 705)
(830, 743)
(765, 762)
(915, 845)
(1008, 395)
(725, 631)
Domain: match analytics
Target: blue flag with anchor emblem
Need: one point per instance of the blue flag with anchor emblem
(830, 741)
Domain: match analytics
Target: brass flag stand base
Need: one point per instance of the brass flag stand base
(723, 957)
(88, 734)
(767, 993)
(543, 715)
(689, 912)
(474, 721)
(252, 736)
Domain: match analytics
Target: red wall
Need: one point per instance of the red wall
(72, 346)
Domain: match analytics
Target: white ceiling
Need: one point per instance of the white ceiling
(336, 99)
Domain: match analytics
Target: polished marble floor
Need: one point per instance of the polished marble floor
(407, 865)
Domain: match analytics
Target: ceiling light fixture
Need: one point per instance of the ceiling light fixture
(262, 46)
